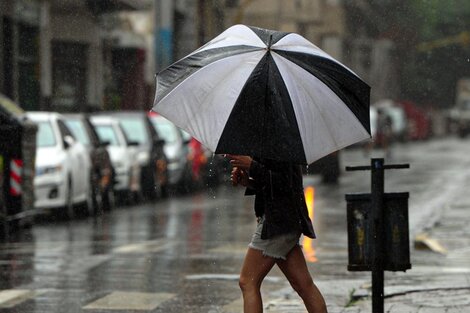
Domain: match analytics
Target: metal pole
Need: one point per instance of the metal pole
(377, 188)
(1, 51)
(163, 33)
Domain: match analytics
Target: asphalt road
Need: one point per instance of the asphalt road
(183, 254)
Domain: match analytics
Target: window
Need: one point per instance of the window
(78, 130)
(69, 76)
(135, 130)
(166, 130)
(106, 133)
(45, 136)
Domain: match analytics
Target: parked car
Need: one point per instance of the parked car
(176, 149)
(419, 122)
(208, 169)
(151, 156)
(123, 153)
(62, 166)
(102, 171)
(397, 116)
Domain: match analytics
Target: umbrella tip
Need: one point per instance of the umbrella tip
(270, 41)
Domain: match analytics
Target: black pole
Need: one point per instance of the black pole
(376, 236)
(377, 188)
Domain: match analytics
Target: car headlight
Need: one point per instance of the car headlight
(45, 170)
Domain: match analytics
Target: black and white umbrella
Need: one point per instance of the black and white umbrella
(267, 94)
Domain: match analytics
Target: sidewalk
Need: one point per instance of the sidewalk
(438, 282)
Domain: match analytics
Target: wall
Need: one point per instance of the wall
(82, 28)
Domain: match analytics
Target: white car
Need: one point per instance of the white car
(176, 151)
(123, 155)
(60, 180)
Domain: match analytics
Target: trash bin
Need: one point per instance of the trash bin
(17, 156)
(395, 232)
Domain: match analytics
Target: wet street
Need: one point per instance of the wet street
(183, 254)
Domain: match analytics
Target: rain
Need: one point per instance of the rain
(149, 148)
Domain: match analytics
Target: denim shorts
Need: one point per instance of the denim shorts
(277, 247)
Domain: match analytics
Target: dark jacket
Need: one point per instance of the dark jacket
(279, 195)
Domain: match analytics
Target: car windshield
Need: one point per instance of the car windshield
(45, 136)
(78, 131)
(106, 133)
(166, 130)
(135, 130)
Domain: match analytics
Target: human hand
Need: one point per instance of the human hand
(242, 162)
(239, 176)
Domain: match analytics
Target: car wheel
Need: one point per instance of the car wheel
(97, 201)
(109, 199)
(159, 189)
(68, 211)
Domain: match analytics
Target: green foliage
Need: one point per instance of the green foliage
(438, 19)
(429, 76)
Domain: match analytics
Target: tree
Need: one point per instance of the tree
(427, 76)
(438, 60)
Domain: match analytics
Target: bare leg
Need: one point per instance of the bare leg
(296, 271)
(255, 268)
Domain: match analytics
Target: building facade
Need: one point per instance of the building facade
(53, 52)
(175, 28)
(329, 24)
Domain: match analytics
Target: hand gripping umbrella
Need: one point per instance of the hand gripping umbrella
(266, 94)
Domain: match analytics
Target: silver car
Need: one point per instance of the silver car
(123, 155)
(176, 151)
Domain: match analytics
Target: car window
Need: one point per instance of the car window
(135, 130)
(166, 130)
(64, 129)
(45, 136)
(107, 133)
(94, 139)
(185, 135)
(78, 130)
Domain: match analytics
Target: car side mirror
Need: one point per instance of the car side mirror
(105, 143)
(132, 143)
(160, 142)
(68, 142)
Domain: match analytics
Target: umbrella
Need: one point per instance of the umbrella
(266, 94)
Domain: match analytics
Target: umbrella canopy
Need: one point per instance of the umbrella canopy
(266, 94)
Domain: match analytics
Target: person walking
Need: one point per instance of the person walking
(282, 217)
(384, 131)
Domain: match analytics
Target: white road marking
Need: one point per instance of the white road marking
(120, 300)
